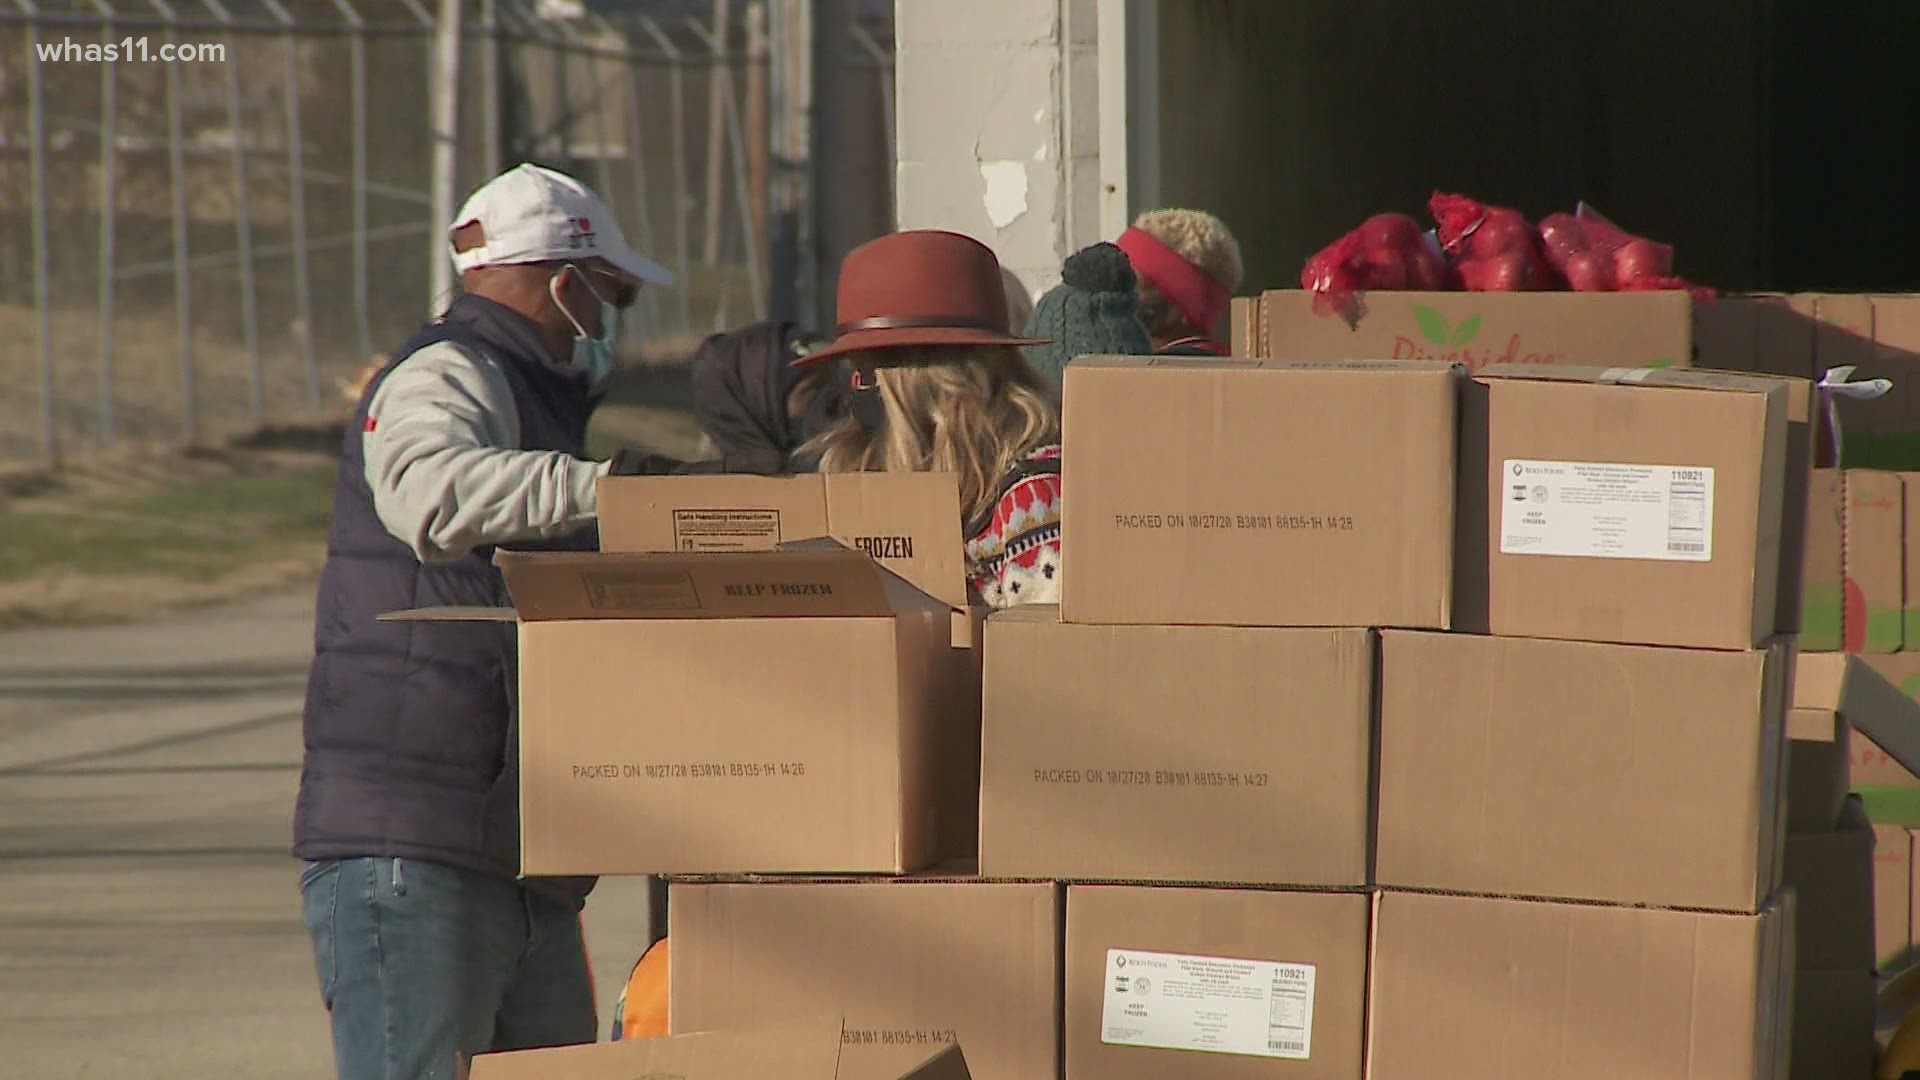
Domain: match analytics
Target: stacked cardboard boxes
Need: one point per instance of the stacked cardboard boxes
(1395, 721)
(779, 676)
(1551, 848)
(1188, 740)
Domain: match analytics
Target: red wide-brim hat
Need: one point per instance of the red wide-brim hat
(923, 287)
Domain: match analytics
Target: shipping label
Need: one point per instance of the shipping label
(725, 530)
(1596, 510)
(1170, 1001)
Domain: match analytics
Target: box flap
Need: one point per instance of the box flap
(902, 595)
(452, 614)
(810, 1052)
(1678, 378)
(909, 521)
(882, 514)
(731, 585)
(1842, 683)
(1246, 363)
(947, 1063)
(1813, 725)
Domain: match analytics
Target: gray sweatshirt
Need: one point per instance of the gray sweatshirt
(444, 465)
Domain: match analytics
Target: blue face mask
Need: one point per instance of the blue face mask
(593, 355)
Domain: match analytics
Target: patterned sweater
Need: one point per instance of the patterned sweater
(1014, 557)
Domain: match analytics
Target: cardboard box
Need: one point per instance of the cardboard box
(1880, 337)
(1871, 767)
(1824, 594)
(1263, 779)
(1850, 693)
(1194, 479)
(1901, 670)
(910, 522)
(1910, 557)
(1892, 895)
(1832, 878)
(1819, 748)
(799, 1053)
(1244, 325)
(1773, 335)
(1767, 333)
(1465, 988)
(724, 713)
(1873, 694)
(1487, 331)
(910, 963)
(1628, 506)
(1569, 770)
(1875, 557)
(1832, 1025)
(1214, 983)
(1789, 616)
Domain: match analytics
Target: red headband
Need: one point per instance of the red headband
(1200, 296)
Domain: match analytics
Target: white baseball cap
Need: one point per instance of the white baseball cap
(531, 214)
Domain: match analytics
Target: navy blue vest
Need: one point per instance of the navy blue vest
(410, 727)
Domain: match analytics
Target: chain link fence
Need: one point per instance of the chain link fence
(214, 212)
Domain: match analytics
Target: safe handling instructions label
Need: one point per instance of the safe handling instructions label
(1596, 510)
(725, 530)
(1226, 1006)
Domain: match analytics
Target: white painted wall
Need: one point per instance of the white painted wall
(998, 126)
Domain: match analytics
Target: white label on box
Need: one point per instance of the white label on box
(1594, 510)
(1227, 1006)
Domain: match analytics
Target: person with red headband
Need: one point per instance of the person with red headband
(1188, 265)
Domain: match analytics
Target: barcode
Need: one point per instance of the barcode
(1681, 545)
(1287, 1046)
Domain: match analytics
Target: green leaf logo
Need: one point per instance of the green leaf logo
(1663, 362)
(1433, 325)
(1468, 327)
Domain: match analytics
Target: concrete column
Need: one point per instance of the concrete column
(999, 126)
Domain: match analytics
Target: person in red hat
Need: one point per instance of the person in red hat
(938, 383)
(1188, 265)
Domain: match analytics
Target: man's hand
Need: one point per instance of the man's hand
(631, 462)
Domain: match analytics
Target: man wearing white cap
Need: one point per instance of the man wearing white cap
(428, 944)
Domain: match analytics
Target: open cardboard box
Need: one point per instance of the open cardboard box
(909, 522)
(775, 711)
(806, 1052)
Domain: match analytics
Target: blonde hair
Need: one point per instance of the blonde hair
(972, 410)
(1198, 237)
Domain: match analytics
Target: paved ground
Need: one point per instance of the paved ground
(149, 923)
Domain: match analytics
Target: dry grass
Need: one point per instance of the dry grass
(146, 527)
(141, 531)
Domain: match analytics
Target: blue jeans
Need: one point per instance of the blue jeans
(419, 961)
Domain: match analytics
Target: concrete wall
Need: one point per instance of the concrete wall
(998, 126)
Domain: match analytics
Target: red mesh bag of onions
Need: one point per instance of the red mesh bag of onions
(1595, 255)
(1494, 249)
(1387, 251)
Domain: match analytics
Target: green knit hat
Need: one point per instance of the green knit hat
(1092, 312)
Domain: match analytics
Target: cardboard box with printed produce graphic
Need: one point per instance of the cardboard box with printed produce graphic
(1482, 331)
(1823, 578)
(1875, 516)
